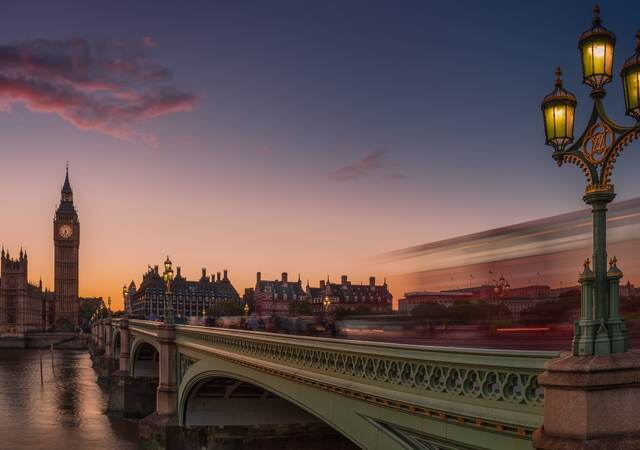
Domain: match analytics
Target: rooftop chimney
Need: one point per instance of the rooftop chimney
(177, 271)
(372, 281)
(218, 275)
(322, 285)
(284, 277)
(224, 273)
(258, 277)
(204, 272)
(344, 280)
(155, 268)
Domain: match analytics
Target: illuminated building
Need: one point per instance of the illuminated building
(373, 298)
(272, 297)
(189, 298)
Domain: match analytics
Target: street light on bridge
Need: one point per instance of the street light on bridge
(124, 301)
(167, 276)
(600, 329)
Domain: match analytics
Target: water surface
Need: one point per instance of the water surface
(66, 412)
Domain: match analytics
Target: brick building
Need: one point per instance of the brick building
(273, 297)
(347, 296)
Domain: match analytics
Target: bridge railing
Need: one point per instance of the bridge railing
(500, 383)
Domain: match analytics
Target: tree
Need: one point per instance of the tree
(561, 310)
(430, 311)
(300, 308)
(340, 312)
(225, 308)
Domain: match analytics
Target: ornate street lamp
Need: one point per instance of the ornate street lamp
(600, 329)
(326, 303)
(167, 276)
(630, 74)
(109, 306)
(124, 301)
(596, 48)
(558, 109)
(502, 287)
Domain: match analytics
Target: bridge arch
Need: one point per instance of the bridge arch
(293, 399)
(115, 344)
(145, 356)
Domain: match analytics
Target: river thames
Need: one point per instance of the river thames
(66, 412)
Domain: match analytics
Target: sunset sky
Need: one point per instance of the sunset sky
(284, 135)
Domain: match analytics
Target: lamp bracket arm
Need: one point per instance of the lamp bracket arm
(574, 155)
(601, 114)
(624, 139)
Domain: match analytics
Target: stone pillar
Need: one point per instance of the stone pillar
(167, 403)
(123, 366)
(108, 338)
(159, 430)
(101, 335)
(129, 397)
(591, 403)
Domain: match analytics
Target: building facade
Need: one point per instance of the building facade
(66, 239)
(516, 300)
(25, 307)
(273, 297)
(189, 298)
(370, 298)
(412, 299)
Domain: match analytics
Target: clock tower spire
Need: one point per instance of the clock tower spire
(66, 241)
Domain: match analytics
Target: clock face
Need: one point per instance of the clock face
(65, 231)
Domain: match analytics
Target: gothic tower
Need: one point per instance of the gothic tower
(66, 240)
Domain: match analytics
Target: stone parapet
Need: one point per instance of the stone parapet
(590, 403)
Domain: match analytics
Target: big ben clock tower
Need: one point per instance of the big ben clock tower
(66, 240)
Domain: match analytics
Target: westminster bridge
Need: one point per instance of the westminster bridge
(376, 395)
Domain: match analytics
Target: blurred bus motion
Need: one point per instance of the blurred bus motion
(528, 269)
(547, 251)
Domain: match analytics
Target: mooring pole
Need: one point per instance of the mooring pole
(53, 369)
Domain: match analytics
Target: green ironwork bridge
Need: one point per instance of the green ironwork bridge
(377, 395)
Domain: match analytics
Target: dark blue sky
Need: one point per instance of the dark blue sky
(412, 120)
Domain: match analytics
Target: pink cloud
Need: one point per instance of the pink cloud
(149, 42)
(370, 163)
(105, 86)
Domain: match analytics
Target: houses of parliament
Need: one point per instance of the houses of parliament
(26, 307)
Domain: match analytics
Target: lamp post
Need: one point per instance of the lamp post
(502, 287)
(124, 301)
(167, 276)
(326, 304)
(109, 306)
(245, 309)
(600, 329)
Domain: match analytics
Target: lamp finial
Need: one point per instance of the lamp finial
(596, 14)
(558, 77)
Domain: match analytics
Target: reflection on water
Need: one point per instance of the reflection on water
(67, 412)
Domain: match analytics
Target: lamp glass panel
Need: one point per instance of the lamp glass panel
(560, 118)
(570, 111)
(549, 123)
(632, 90)
(597, 58)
